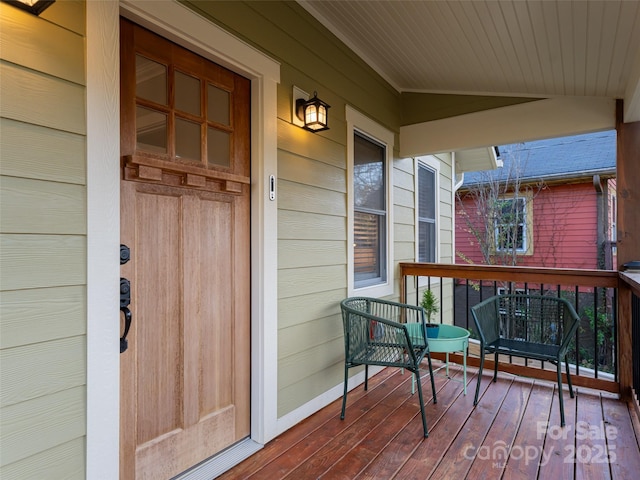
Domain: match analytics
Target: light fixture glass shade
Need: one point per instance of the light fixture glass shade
(313, 113)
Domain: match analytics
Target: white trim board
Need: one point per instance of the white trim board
(552, 117)
(103, 240)
(185, 27)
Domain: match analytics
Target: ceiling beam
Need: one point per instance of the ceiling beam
(548, 118)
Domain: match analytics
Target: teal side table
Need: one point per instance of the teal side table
(450, 339)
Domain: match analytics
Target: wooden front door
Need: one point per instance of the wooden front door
(185, 217)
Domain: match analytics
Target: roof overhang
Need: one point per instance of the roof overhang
(476, 159)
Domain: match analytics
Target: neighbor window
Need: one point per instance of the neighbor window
(427, 202)
(370, 222)
(614, 219)
(511, 225)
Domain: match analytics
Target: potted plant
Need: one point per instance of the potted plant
(430, 305)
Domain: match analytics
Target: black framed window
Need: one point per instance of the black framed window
(426, 213)
(370, 211)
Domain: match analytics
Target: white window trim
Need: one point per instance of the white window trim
(357, 122)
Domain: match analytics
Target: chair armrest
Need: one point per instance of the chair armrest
(570, 333)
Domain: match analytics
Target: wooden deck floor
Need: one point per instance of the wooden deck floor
(513, 432)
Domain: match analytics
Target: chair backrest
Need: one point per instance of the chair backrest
(486, 316)
(379, 327)
(532, 318)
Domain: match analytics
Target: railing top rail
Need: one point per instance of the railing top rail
(554, 276)
(633, 280)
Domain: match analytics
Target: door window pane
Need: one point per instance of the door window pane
(151, 80)
(187, 93)
(218, 147)
(151, 130)
(188, 140)
(217, 105)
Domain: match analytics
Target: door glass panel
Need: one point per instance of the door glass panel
(188, 140)
(218, 147)
(151, 130)
(217, 105)
(187, 93)
(151, 80)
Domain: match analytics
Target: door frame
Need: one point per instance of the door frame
(185, 27)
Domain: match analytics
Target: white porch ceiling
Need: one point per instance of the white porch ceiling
(531, 48)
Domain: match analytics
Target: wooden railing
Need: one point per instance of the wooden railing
(599, 287)
(630, 323)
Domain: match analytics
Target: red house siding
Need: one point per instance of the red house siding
(564, 229)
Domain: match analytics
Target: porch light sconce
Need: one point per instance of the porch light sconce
(311, 113)
(35, 7)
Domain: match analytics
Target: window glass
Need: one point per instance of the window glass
(510, 230)
(368, 174)
(151, 130)
(614, 219)
(218, 105)
(370, 223)
(151, 80)
(218, 147)
(426, 214)
(188, 140)
(187, 93)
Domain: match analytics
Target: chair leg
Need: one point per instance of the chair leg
(566, 362)
(433, 383)
(424, 417)
(344, 396)
(559, 370)
(495, 367)
(366, 377)
(475, 399)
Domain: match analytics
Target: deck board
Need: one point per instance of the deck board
(459, 456)
(381, 436)
(622, 442)
(558, 443)
(526, 451)
(590, 455)
(488, 460)
(374, 443)
(404, 444)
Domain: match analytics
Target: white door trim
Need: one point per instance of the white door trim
(103, 240)
(176, 22)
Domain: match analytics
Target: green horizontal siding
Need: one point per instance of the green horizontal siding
(43, 243)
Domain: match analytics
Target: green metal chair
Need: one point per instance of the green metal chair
(527, 326)
(376, 333)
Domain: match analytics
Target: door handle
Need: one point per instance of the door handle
(124, 344)
(125, 300)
